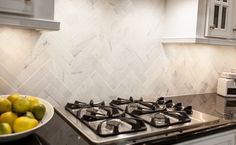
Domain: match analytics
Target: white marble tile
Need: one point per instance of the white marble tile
(6, 88)
(107, 48)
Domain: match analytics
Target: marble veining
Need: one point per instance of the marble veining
(107, 48)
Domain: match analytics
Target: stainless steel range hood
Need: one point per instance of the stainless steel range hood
(30, 14)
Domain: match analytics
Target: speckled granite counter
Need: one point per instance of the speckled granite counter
(202, 102)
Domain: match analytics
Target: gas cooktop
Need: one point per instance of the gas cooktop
(130, 119)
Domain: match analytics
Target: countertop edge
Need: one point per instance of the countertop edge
(193, 134)
(71, 124)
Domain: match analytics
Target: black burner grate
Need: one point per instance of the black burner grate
(104, 120)
(161, 113)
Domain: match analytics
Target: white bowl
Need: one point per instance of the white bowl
(48, 115)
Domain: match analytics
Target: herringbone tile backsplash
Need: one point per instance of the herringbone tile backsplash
(107, 48)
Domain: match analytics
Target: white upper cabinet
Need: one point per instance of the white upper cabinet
(29, 14)
(200, 21)
(219, 19)
(16, 7)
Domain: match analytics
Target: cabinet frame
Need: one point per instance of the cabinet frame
(192, 29)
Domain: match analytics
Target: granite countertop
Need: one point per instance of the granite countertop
(61, 130)
(56, 132)
(204, 103)
(201, 102)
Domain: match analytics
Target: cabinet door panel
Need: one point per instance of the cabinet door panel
(218, 139)
(17, 6)
(219, 19)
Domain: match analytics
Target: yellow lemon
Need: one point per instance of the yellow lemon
(21, 105)
(32, 100)
(24, 123)
(13, 97)
(8, 117)
(39, 111)
(5, 105)
(5, 128)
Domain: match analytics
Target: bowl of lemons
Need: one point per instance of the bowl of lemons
(21, 115)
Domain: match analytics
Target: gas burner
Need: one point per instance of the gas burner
(92, 111)
(99, 113)
(159, 119)
(120, 125)
(90, 114)
(135, 108)
(112, 125)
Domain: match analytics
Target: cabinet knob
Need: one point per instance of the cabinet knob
(212, 27)
(234, 29)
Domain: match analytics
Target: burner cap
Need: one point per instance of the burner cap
(158, 116)
(159, 119)
(131, 107)
(112, 123)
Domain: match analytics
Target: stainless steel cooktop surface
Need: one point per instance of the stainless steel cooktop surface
(147, 119)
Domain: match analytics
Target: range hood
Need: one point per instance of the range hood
(30, 14)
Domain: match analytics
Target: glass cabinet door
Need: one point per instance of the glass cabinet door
(219, 19)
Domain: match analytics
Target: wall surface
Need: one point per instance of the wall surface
(107, 48)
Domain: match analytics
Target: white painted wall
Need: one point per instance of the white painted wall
(107, 48)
